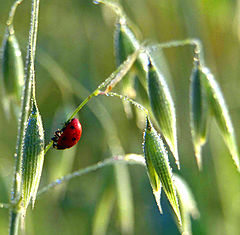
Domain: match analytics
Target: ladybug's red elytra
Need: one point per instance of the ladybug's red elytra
(68, 136)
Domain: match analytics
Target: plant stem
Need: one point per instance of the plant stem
(11, 15)
(14, 222)
(198, 51)
(129, 159)
(15, 196)
(113, 79)
(127, 99)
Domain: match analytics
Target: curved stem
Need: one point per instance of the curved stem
(127, 99)
(198, 51)
(12, 14)
(129, 159)
(113, 5)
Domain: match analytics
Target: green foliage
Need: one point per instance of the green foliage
(199, 112)
(12, 67)
(73, 60)
(32, 157)
(157, 159)
(163, 108)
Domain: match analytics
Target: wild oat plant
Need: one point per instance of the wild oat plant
(143, 88)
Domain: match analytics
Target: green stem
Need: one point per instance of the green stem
(15, 212)
(198, 51)
(11, 15)
(111, 81)
(14, 222)
(129, 159)
(113, 5)
(95, 93)
(127, 99)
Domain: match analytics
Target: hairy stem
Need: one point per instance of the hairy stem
(127, 99)
(129, 159)
(110, 82)
(196, 43)
(29, 68)
(12, 14)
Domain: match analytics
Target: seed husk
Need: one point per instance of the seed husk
(153, 178)
(163, 108)
(187, 204)
(219, 111)
(12, 67)
(32, 157)
(156, 154)
(125, 41)
(198, 112)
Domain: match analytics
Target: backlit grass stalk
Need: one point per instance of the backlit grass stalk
(15, 196)
(196, 43)
(129, 159)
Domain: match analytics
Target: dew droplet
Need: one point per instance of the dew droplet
(58, 181)
(96, 2)
(12, 195)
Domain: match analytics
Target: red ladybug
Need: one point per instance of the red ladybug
(68, 136)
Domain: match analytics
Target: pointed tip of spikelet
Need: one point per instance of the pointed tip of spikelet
(157, 195)
(198, 156)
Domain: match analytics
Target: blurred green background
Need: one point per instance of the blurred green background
(74, 54)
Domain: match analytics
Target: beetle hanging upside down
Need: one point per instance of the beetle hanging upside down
(68, 136)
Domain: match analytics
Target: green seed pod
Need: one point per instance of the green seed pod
(220, 112)
(140, 86)
(163, 108)
(156, 154)
(153, 178)
(125, 42)
(12, 67)
(187, 204)
(198, 112)
(32, 157)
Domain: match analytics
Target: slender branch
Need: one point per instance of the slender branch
(126, 99)
(198, 51)
(113, 5)
(111, 81)
(128, 159)
(12, 14)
